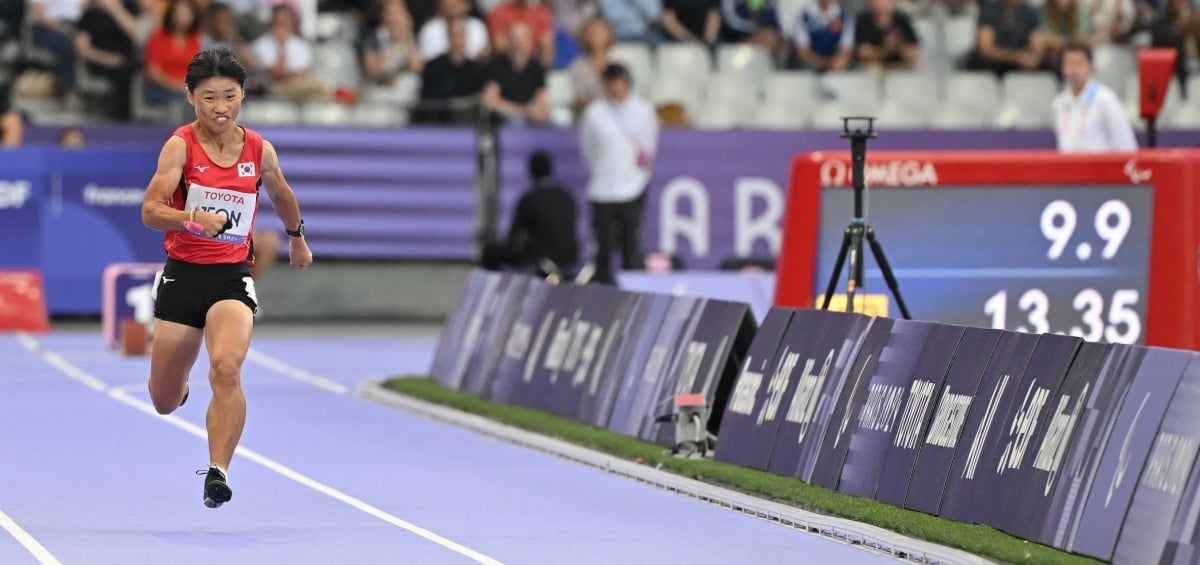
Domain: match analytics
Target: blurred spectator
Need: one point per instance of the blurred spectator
(1088, 115)
(570, 15)
(596, 41)
(619, 138)
(287, 59)
(169, 51)
(1177, 29)
(697, 21)
(633, 20)
(250, 16)
(824, 36)
(537, 20)
(12, 128)
(221, 31)
(1064, 22)
(449, 79)
(391, 61)
(71, 137)
(432, 38)
(1112, 20)
(105, 41)
(12, 17)
(884, 37)
(54, 24)
(751, 21)
(1008, 38)
(542, 236)
(515, 87)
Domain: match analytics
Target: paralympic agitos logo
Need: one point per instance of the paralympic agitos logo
(886, 173)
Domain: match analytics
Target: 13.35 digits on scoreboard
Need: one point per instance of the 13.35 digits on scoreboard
(1062, 259)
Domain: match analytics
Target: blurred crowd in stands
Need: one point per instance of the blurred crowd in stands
(524, 61)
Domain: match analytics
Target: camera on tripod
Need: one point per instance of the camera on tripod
(852, 238)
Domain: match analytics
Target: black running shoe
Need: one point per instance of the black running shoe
(216, 490)
(186, 393)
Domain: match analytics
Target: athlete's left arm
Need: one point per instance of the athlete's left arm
(286, 207)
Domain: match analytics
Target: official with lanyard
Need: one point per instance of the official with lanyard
(619, 137)
(1088, 117)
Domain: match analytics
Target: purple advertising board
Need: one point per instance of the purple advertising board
(997, 390)
(574, 342)
(946, 430)
(817, 352)
(1124, 457)
(519, 353)
(1155, 509)
(642, 391)
(859, 402)
(450, 354)
(534, 388)
(604, 377)
(635, 354)
(741, 440)
(1081, 460)
(23, 194)
(704, 356)
(1066, 409)
(917, 357)
(499, 311)
(1006, 463)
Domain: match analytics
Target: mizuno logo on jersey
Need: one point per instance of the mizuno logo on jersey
(202, 169)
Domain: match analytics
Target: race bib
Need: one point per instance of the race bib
(236, 206)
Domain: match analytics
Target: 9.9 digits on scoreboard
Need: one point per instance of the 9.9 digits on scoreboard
(1098, 316)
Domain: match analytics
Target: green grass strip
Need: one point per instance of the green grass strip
(981, 540)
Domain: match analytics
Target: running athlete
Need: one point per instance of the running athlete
(204, 195)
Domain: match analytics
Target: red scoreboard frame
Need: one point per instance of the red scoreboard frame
(1173, 282)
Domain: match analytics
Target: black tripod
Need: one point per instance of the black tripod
(852, 238)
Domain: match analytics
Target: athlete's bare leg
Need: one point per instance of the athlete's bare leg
(175, 349)
(227, 335)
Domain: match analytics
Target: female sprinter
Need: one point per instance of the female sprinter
(204, 195)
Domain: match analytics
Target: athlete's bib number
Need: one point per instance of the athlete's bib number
(236, 206)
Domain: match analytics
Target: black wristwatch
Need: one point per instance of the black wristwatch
(299, 231)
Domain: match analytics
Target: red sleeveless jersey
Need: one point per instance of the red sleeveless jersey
(229, 191)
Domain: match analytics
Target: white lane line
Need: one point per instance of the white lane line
(119, 394)
(39, 552)
(296, 373)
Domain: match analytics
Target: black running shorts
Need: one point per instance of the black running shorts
(186, 291)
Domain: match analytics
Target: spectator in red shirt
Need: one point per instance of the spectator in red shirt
(168, 51)
(536, 17)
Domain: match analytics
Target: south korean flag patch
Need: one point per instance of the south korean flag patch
(246, 169)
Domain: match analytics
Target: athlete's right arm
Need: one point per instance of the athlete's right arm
(157, 214)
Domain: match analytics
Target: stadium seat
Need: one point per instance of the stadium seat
(896, 115)
(1171, 104)
(636, 57)
(910, 89)
(960, 117)
(270, 112)
(336, 27)
(559, 90)
(929, 35)
(794, 88)
(674, 88)
(366, 114)
(960, 38)
(780, 116)
(748, 62)
(686, 60)
(732, 89)
(1114, 65)
(324, 114)
(1028, 101)
(337, 64)
(719, 114)
(972, 92)
(855, 91)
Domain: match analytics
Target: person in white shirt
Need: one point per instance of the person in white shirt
(433, 39)
(1088, 117)
(287, 59)
(619, 137)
